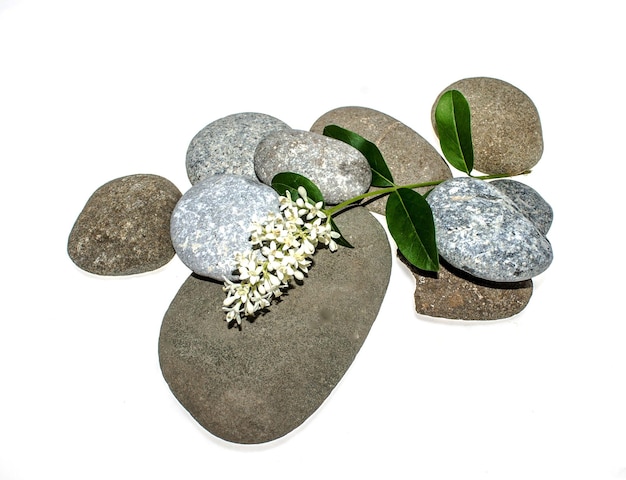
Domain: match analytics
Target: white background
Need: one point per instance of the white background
(91, 91)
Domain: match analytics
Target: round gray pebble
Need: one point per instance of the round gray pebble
(480, 231)
(338, 169)
(211, 222)
(226, 146)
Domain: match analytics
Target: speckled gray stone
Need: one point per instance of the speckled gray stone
(124, 227)
(226, 146)
(410, 157)
(259, 383)
(339, 170)
(211, 222)
(528, 200)
(480, 231)
(506, 129)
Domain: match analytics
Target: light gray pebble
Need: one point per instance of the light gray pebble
(479, 230)
(338, 169)
(211, 222)
(226, 146)
(528, 200)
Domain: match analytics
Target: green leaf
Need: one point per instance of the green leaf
(452, 117)
(411, 224)
(381, 176)
(291, 181)
(341, 240)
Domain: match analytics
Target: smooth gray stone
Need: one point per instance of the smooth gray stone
(259, 383)
(338, 169)
(211, 222)
(226, 146)
(480, 231)
(528, 200)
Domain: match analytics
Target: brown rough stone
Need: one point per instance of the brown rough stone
(410, 158)
(506, 129)
(455, 295)
(124, 227)
(259, 383)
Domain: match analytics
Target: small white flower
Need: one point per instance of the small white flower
(249, 267)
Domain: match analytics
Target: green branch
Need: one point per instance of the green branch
(384, 191)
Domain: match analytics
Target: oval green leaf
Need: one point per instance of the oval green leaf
(411, 224)
(381, 176)
(291, 181)
(452, 117)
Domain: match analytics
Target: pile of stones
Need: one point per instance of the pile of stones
(260, 383)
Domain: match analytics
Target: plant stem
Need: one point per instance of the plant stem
(384, 191)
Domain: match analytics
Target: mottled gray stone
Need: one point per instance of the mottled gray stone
(506, 129)
(259, 383)
(211, 222)
(455, 295)
(410, 158)
(339, 170)
(528, 200)
(124, 227)
(480, 231)
(226, 146)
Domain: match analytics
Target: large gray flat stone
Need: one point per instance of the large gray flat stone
(259, 383)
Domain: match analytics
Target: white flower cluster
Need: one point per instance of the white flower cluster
(281, 247)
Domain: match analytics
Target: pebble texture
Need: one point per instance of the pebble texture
(124, 227)
(452, 294)
(528, 200)
(480, 231)
(339, 170)
(211, 222)
(259, 383)
(410, 158)
(226, 146)
(506, 129)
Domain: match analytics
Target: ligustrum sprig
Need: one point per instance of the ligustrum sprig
(282, 245)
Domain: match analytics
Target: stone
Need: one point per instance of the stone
(479, 230)
(506, 128)
(528, 200)
(211, 222)
(259, 383)
(410, 158)
(338, 169)
(226, 145)
(124, 227)
(454, 295)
